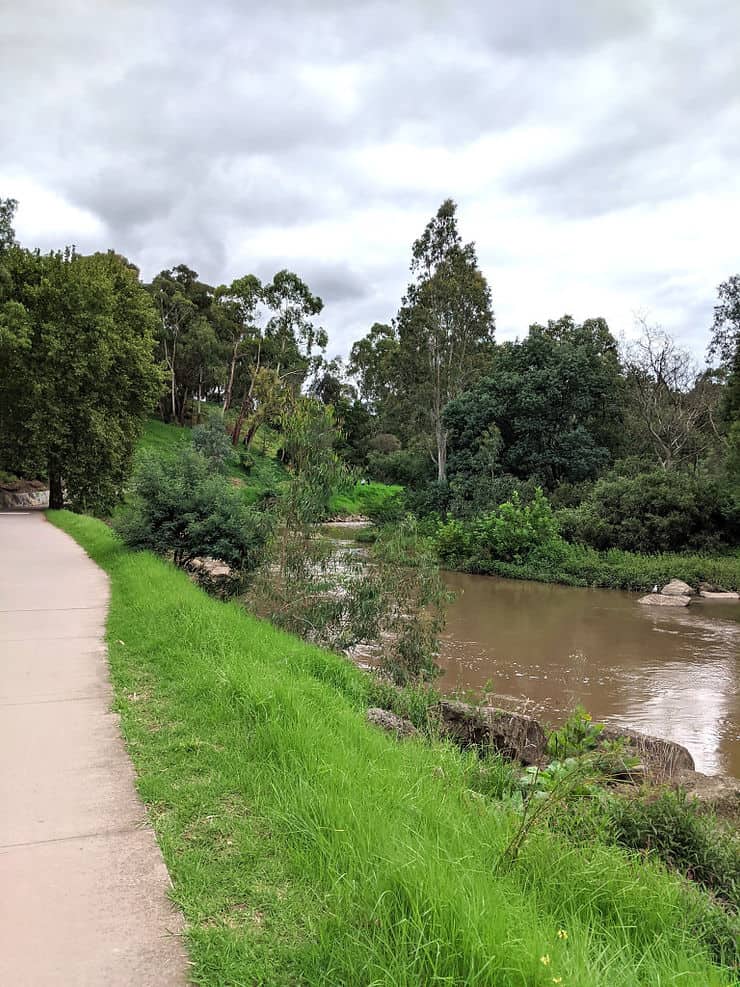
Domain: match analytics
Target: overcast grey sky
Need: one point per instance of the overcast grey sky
(593, 146)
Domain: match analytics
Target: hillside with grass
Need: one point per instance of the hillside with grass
(306, 847)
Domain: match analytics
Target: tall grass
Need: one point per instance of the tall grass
(308, 848)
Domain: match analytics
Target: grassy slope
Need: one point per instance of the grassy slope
(363, 498)
(308, 848)
(266, 473)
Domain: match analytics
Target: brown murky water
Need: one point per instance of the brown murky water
(674, 673)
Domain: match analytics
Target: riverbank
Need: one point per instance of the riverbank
(578, 565)
(305, 847)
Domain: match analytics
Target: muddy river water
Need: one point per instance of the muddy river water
(671, 672)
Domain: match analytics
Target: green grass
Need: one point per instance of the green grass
(364, 498)
(161, 438)
(307, 848)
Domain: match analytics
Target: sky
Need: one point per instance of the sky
(592, 146)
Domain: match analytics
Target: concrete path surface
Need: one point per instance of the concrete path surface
(83, 887)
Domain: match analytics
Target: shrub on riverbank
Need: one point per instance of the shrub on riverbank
(577, 565)
(307, 848)
(655, 511)
(521, 541)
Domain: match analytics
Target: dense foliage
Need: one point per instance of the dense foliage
(182, 508)
(656, 511)
(79, 377)
(635, 447)
(547, 410)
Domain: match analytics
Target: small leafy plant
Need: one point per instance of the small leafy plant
(578, 735)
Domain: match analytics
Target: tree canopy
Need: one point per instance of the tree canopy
(77, 346)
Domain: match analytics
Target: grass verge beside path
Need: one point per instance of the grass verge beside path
(307, 848)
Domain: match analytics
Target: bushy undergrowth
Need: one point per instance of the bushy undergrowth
(182, 507)
(655, 511)
(675, 830)
(307, 848)
(521, 541)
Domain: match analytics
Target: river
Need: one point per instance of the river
(672, 672)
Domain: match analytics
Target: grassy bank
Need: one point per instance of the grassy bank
(615, 569)
(262, 478)
(307, 848)
(369, 499)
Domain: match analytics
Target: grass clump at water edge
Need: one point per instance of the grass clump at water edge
(307, 848)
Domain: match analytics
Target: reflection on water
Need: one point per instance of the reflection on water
(673, 673)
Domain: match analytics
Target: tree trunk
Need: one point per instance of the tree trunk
(251, 432)
(56, 494)
(441, 454)
(230, 385)
(246, 406)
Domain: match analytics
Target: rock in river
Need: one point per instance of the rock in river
(513, 735)
(662, 759)
(707, 595)
(677, 587)
(389, 721)
(659, 600)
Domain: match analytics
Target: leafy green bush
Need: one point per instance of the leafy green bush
(181, 508)
(211, 441)
(511, 533)
(655, 511)
(672, 827)
(406, 467)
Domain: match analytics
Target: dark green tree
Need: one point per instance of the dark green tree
(549, 409)
(79, 375)
(724, 347)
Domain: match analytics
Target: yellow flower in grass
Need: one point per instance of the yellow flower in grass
(545, 960)
(557, 980)
(562, 934)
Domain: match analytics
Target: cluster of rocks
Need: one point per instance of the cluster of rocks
(20, 495)
(521, 738)
(212, 574)
(677, 593)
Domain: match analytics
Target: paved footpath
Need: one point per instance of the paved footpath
(83, 887)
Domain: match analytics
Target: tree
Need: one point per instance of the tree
(549, 410)
(725, 341)
(189, 346)
(268, 327)
(445, 327)
(183, 508)
(290, 333)
(725, 345)
(77, 335)
(238, 321)
(373, 363)
(7, 214)
(352, 415)
(672, 406)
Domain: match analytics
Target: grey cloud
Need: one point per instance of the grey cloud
(184, 126)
